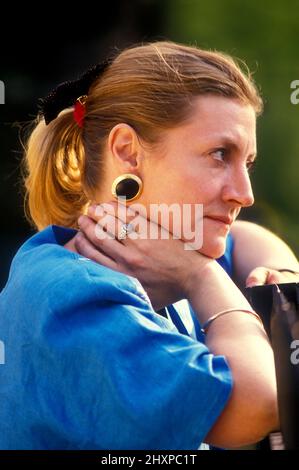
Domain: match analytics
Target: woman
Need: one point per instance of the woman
(89, 363)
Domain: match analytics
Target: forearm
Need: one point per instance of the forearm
(212, 291)
(241, 339)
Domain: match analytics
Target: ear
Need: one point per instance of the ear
(125, 148)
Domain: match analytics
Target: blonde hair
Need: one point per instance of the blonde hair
(150, 87)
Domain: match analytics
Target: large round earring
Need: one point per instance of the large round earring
(128, 186)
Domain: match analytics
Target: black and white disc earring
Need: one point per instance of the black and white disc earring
(127, 186)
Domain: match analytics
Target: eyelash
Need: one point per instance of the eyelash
(250, 164)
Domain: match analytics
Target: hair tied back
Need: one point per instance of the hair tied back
(70, 93)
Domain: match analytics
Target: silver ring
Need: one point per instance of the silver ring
(125, 230)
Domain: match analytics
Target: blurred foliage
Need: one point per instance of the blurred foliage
(265, 34)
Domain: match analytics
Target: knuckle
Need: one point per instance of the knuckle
(89, 230)
(144, 248)
(137, 261)
(81, 242)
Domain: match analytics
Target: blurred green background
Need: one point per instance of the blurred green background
(265, 34)
(52, 46)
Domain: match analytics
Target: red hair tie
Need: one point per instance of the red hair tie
(79, 110)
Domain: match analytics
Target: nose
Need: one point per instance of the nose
(238, 189)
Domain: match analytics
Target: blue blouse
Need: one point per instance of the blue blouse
(90, 365)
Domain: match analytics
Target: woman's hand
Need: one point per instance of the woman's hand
(162, 265)
(258, 256)
(262, 275)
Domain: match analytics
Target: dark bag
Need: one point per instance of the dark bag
(278, 306)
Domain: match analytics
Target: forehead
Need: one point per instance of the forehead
(216, 117)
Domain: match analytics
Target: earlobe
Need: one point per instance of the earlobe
(124, 146)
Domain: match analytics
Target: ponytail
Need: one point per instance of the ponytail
(54, 161)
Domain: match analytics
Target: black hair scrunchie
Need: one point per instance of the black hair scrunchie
(66, 93)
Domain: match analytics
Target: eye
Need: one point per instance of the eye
(250, 165)
(220, 154)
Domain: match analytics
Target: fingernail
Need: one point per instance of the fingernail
(253, 284)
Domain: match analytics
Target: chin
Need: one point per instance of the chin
(213, 247)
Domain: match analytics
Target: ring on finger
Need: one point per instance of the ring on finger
(125, 230)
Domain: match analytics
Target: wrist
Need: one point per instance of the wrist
(211, 290)
(199, 276)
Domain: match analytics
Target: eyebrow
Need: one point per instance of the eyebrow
(228, 142)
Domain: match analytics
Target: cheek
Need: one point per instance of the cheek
(166, 187)
(179, 178)
(203, 183)
(193, 187)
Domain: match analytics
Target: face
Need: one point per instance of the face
(206, 161)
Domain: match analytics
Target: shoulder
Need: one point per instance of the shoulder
(78, 326)
(62, 278)
(241, 227)
(251, 234)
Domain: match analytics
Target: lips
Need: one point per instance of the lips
(221, 218)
